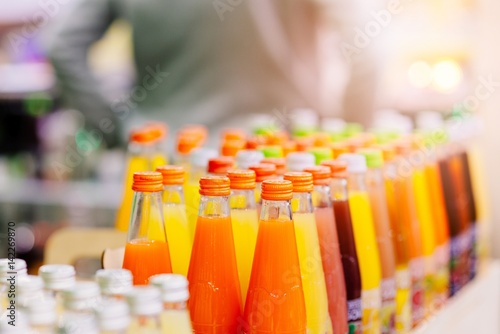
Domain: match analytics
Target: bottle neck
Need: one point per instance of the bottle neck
(321, 196)
(242, 199)
(214, 207)
(147, 211)
(356, 182)
(339, 189)
(302, 203)
(276, 210)
(173, 194)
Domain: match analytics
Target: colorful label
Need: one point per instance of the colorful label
(403, 301)
(388, 310)
(454, 265)
(429, 282)
(371, 303)
(442, 277)
(354, 313)
(417, 272)
(473, 250)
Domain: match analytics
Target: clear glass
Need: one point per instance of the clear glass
(175, 318)
(173, 194)
(146, 221)
(276, 210)
(321, 197)
(242, 200)
(302, 203)
(142, 324)
(357, 182)
(339, 189)
(214, 207)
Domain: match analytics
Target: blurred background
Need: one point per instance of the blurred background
(418, 54)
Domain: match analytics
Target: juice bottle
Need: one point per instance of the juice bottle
(199, 164)
(41, 316)
(215, 303)
(57, 278)
(329, 247)
(279, 163)
(245, 222)
(113, 316)
(378, 201)
(349, 256)
(29, 290)
(400, 241)
(79, 302)
(263, 171)
(311, 268)
(175, 294)
(189, 138)
(114, 283)
(159, 132)
(275, 300)
(175, 217)
(366, 242)
(146, 251)
(247, 158)
(145, 309)
(298, 161)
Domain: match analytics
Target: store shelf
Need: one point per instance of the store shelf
(476, 309)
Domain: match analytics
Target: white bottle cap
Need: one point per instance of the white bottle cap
(144, 300)
(304, 118)
(298, 161)
(114, 281)
(8, 267)
(429, 120)
(57, 276)
(333, 125)
(356, 163)
(113, 315)
(29, 289)
(199, 157)
(21, 324)
(42, 312)
(247, 158)
(81, 296)
(174, 287)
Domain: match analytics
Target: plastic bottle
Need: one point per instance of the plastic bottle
(113, 317)
(298, 161)
(329, 247)
(7, 267)
(145, 309)
(42, 316)
(215, 303)
(175, 217)
(279, 163)
(146, 251)
(378, 201)
(56, 278)
(29, 290)
(114, 283)
(311, 268)
(175, 294)
(345, 231)
(366, 242)
(79, 303)
(245, 222)
(247, 158)
(276, 258)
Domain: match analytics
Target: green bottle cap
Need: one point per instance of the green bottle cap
(265, 130)
(271, 151)
(373, 156)
(352, 129)
(303, 131)
(321, 154)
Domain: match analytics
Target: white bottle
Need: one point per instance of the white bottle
(80, 302)
(113, 317)
(175, 317)
(145, 307)
(42, 316)
(29, 291)
(57, 277)
(10, 271)
(114, 283)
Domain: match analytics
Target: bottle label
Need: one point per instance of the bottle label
(429, 283)
(473, 250)
(371, 305)
(441, 281)
(388, 310)
(417, 270)
(403, 301)
(354, 313)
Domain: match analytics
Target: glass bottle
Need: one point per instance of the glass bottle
(79, 303)
(279, 163)
(262, 172)
(7, 268)
(113, 316)
(29, 290)
(56, 278)
(114, 283)
(145, 308)
(42, 316)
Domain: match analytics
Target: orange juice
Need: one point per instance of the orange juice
(146, 258)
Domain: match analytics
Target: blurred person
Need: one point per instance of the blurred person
(217, 62)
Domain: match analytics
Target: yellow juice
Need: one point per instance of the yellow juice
(192, 200)
(245, 227)
(178, 237)
(424, 213)
(403, 300)
(311, 269)
(176, 322)
(369, 261)
(158, 160)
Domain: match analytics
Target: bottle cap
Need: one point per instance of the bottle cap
(402, 147)
(356, 163)
(220, 165)
(172, 175)
(242, 179)
(142, 135)
(353, 144)
(297, 161)
(81, 296)
(338, 149)
(214, 186)
(29, 284)
(352, 129)
(158, 130)
(302, 181)
(373, 156)
(197, 131)
(147, 182)
(114, 281)
(246, 158)
(57, 276)
(278, 162)
(230, 147)
(338, 168)
(321, 153)
(277, 138)
(332, 125)
(388, 151)
(7, 266)
(322, 139)
(174, 287)
(289, 147)
(42, 312)
(233, 134)
(199, 157)
(187, 142)
(271, 151)
(254, 142)
(263, 171)
(277, 190)
(144, 301)
(321, 174)
(303, 144)
(113, 315)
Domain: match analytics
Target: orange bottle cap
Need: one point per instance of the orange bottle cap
(277, 138)
(230, 147)
(233, 134)
(321, 174)
(263, 171)
(302, 181)
(214, 186)
(277, 190)
(255, 141)
(303, 144)
(403, 147)
(322, 139)
(388, 151)
(220, 165)
(354, 144)
(279, 163)
(242, 179)
(338, 168)
(142, 135)
(338, 149)
(289, 147)
(158, 129)
(172, 175)
(147, 182)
